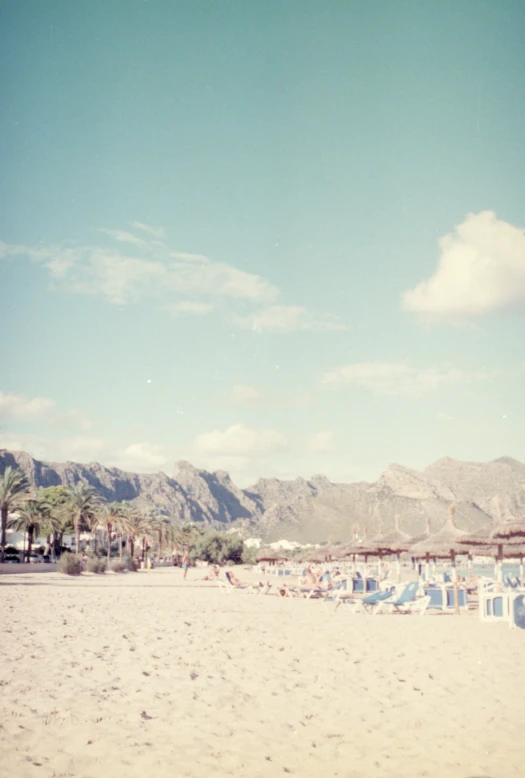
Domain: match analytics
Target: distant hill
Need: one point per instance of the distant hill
(307, 510)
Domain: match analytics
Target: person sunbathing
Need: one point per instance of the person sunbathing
(213, 574)
(235, 581)
(310, 578)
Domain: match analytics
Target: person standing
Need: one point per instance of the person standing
(186, 563)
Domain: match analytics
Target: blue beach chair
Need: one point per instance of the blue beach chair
(407, 602)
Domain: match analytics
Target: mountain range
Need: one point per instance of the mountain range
(305, 510)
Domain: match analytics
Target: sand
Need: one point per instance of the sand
(147, 675)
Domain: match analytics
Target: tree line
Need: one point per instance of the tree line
(59, 510)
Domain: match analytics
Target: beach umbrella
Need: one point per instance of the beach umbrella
(509, 529)
(395, 542)
(443, 544)
(418, 539)
(511, 532)
(349, 550)
(372, 548)
(498, 538)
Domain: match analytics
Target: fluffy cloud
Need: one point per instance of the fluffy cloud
(137, 457)
(287, 318)
(161, 274)
(21, 409)
(145, 455)
(239, 440)
(155, 232)
(18, 408)
(146, 268)
(397, 378)
(481, 268)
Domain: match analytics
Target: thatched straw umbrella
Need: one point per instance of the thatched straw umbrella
(510, 528)
(443, 544)
(395, 542)
(372, 548)
(270, 555)
(419, 539)
(511, 531)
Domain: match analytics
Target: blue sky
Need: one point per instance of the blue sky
(277, 238)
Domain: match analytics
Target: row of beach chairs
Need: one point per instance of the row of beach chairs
(408, 598)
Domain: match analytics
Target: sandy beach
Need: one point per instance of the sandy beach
(145, 674)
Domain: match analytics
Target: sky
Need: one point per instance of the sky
(278, 239)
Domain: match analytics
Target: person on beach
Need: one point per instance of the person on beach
(213, 574)
(309, 577)
(186, 563)
(234, 580)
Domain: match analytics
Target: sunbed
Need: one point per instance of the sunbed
(407, 602)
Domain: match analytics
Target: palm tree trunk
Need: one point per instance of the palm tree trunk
(77, 535)
(29, 541)
(120, 546)
(143, 549)
(131, 547)
(109, 542)
(4, 528)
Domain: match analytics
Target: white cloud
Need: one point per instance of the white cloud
(123, 237)
(18, 408)
(145, 455)
(136, 457)
(288, 318)
(239, 440)
(126, 279)
(397, 378)
(181, 282)
(481, 269)
(321, 443)
(155, 232)
(243, 394)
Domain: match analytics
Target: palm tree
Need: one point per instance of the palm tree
(81, 507)
(165, 532)
(109, 518)
(185, 536)
(132, 522)
(58, 522)
(31, 517)
(14, 490)
(148, 526)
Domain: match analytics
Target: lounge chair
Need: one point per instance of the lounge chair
(407, 602)
(494, 606)
(442, 598)
(227, 587)
(517, 611)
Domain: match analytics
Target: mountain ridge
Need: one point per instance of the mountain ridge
(305, 509)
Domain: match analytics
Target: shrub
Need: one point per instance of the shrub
(70, 564)
(118, 566)
(249, 555)
(217, 547)
(131, 565)
(95, 565)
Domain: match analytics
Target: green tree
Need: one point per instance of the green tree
(81, 507)
(14, 490)
(31, 517)
(58, 523)
(109, 517)
(217, 547)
